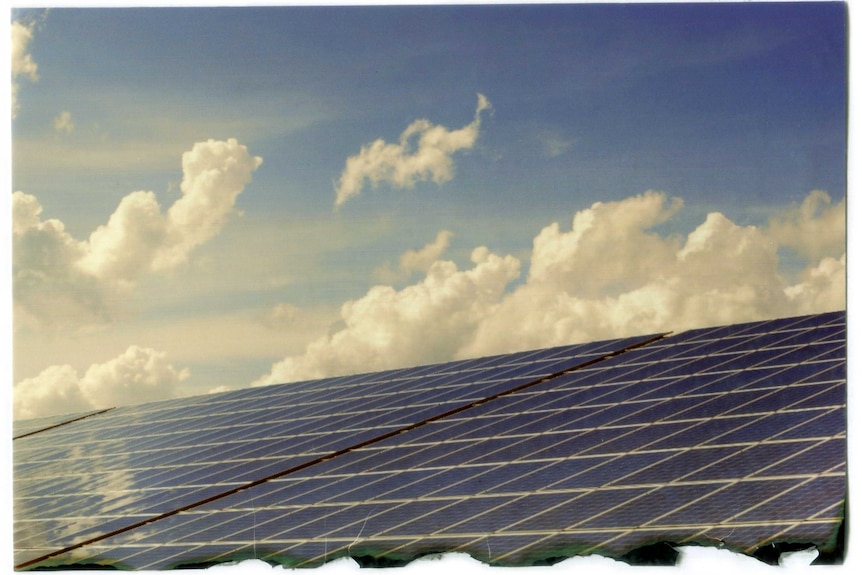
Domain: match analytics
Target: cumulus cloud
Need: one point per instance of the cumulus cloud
(822, 287)
(48, 285)
(421, 260)
(610, 275)
(610, 247)
(23, 64)
(423, 152)
(63, 122)
(814, 228)
(56, 277)
(720, 273)
(426, 321)
(140, 373)
(413, 261)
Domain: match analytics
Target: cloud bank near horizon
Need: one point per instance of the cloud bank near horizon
(610, 275)
(140, 373)
(423, 152)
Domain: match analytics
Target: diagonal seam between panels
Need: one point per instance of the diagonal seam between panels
(62, 423)
(343, 451)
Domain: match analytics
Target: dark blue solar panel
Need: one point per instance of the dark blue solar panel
(560, 399)
(658, 410)
(665, 439)
(820, 423)
(484, 515)
(818, 457)
(451, 481)
(827, 396)
(628, 513)
(750, 460)
(504, 479)
(764, 427)
(721, 403)
(613, 414)
(826, 333)
(407, 457)
(584, 507)
(396, 515)
(514, 449)
(425, 482)
(546, 473)
(727, 501)
(500, 425)
(585, 378)
(829, 371)
(588, 441)
(800, 502)
(683, 465)
(280, 492)
(27, 427)
(782, 398)
(440, 430)
(613, 470)
(615, 393)
(663, 368)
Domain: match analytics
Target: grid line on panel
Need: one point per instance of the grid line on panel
(783, 465)
(732, 521)
(392, 531)
(660, 401)
(813, 442)
(811, 519)
(676, 481)
(480, 545)
(522, 386)
(705, 496)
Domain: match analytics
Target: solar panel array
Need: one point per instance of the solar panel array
(733, 436)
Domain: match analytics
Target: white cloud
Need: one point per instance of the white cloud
(214, 174)
(610, 275)
(23, 64)
(47, 284)
(139, 374)
(421, 260)
(610, 248)
(426, 321)
(413, 261)
(822, 287)
(403, 164)
(57, 278)
(553, 144)
(813, 228)
(55, 390)
(124, 248)
(63, 122)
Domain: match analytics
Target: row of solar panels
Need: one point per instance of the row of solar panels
(734, 435)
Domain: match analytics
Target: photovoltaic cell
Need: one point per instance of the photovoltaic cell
(173, 441)
(734, 433)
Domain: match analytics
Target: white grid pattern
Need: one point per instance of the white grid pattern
(309, 528)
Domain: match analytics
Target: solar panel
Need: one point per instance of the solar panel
(710, 435)
(216, 441)
(26, 427)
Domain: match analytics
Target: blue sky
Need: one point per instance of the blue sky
(735, 109)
